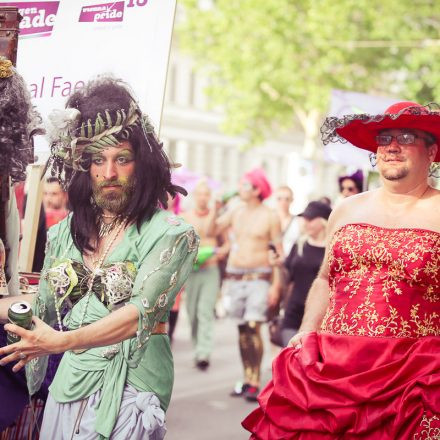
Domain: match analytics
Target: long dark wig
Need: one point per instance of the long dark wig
(152, 167)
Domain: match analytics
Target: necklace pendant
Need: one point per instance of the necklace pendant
(106, 228)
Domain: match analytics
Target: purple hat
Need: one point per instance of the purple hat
(357, 178)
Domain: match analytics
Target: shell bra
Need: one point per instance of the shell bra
(69, 280)
(384, 282)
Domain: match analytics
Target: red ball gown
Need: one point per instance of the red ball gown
(373, 370)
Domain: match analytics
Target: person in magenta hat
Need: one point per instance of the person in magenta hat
(257, 177)
(364, 363)
(251, 284)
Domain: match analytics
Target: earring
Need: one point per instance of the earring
(434, 170)
(373, 159)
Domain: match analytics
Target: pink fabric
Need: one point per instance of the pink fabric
(373, 372)
(259, 180)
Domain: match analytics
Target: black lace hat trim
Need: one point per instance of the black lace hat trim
(332, 123)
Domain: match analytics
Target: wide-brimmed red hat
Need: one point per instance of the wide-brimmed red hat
(361, 130)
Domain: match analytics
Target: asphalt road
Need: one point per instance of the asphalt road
(201, 408)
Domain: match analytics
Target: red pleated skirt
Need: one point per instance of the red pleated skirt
(352, 387)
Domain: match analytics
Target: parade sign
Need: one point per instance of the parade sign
(64, 43)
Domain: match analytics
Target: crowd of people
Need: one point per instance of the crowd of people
(353, 287)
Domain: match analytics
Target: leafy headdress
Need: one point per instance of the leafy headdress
(73, 142)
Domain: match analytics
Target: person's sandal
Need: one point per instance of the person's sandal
(239, 389)
(251, 393)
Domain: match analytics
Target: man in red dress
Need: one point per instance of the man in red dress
(365, 363)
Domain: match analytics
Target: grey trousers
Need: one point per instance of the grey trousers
(201, 291)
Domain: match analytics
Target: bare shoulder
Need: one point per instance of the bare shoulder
(350, 210)
(433, 204)
(434, 196)
(236, 212)
(271, 213)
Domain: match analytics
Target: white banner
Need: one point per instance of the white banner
(348, 103)
(65, 43)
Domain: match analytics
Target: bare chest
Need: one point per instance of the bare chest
(250, 225)
(199, 223)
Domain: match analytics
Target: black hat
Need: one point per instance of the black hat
(317, 209)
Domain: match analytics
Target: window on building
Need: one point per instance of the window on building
(172, 150)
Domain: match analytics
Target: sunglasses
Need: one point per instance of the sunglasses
(247, 186)
(384, 140)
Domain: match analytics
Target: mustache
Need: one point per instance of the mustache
(391, 157)
(111, 183)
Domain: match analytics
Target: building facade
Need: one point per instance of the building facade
(192, 137)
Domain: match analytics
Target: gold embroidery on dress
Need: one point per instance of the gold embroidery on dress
(428, 432)
(383, 282)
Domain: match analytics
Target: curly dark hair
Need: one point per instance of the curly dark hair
(152, 167)
(19, 122)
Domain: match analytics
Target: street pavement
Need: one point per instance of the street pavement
(201, 408)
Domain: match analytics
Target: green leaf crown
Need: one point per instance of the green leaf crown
(70, 142)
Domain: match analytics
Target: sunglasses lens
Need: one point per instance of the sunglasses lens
(247, 186)
(406, 139)
(402, 139)
(383, 139)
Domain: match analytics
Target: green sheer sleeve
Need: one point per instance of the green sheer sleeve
(160, 277)
(43, 306)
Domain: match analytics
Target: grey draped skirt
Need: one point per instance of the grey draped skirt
(140, 417)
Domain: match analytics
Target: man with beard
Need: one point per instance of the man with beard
(365, 363)
(113, 268)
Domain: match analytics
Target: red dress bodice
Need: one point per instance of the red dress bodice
(373, 371)
(384, 282)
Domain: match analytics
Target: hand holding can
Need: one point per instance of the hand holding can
(19, 313)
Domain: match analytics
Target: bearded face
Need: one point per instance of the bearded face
(112, 174)
(113, 195)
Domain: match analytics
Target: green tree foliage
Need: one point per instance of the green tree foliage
(273, 62)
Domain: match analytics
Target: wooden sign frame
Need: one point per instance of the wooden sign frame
(34, 184)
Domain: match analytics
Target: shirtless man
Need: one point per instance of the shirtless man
(203, 284)
(252, 287)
